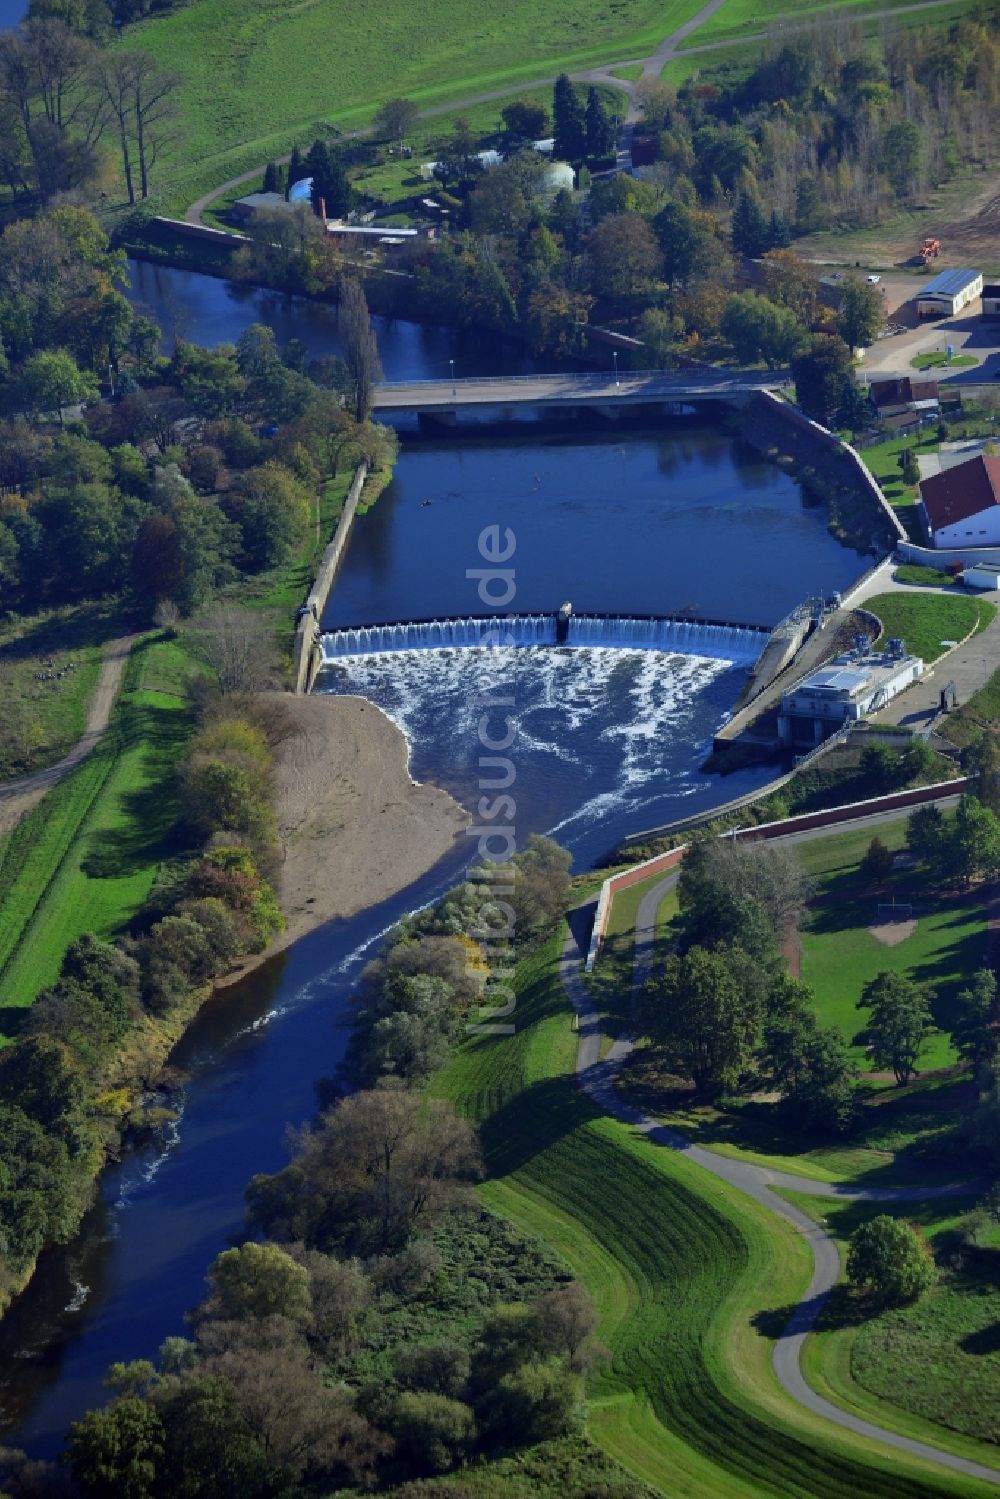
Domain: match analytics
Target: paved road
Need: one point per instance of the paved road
(560, 388)
(652, 66)
(18, 797)
(597, 1075)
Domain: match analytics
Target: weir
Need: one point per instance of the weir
(716, 639)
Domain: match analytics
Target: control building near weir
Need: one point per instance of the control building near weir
(844, 691)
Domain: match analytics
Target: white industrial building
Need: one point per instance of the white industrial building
(960, 507)
(948, 293)
(844, 691)
(991, 300)
(984, 576)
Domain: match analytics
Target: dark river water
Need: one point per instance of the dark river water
(12, 11)
(623, 521)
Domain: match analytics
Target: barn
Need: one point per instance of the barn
(948, 293)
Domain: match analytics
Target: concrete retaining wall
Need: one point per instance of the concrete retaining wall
(307, 649)
(830, 440)
(851, 812)
(932, 557)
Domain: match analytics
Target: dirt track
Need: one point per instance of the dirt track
(18, 797)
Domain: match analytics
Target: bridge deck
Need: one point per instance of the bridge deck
(569, 389)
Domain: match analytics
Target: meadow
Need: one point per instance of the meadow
(85, 858)
(683, 1270)
(65, 645)
(260, 77)
(740, 18)
(931, 1369)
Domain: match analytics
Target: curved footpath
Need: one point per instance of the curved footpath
(652, 67)
(18, 797)
(597, 1076)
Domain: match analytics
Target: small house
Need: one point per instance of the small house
(255, 204)
(960, 506)
(991, 300)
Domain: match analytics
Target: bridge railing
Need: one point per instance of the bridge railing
(575, 377)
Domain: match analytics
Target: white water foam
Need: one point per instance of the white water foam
(628, 720)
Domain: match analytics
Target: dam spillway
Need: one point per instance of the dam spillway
(715, 639)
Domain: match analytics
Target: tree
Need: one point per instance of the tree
(273, 510)
(600, 133)
(52, 381)
(238, 647)
(259, 1280)
(117, 1453)
(533, 1403)
(524, 120)
(791, 283)
(810, 1064)
(569, 122)
(903, 157)
(272, 178)
(434, 1431)
(139, 97)
(899, 1025)
(360, 348)
(750, 231)
(974, 1026)
(395, 119)
(624, 256)
(973, 848)
(909, 467)
(702, 1019)
(981, 759)
(925, 833)
(877, 862)
(861, 315)
(769, 873)
(757, 329)
(331, 193)
(378, 1166)
(890, 1260)
(822, 372)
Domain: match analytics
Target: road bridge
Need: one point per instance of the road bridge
(602, 389)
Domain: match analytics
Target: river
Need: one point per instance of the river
(12, 12)
(623, 521)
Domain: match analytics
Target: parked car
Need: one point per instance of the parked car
(874, 279)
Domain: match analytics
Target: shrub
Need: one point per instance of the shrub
(890, 1260)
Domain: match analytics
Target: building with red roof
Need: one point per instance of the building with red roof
(960, 507)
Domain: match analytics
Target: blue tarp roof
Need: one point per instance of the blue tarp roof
(948, 284)
(299, 191)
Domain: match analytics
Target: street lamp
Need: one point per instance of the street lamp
(614, 353)
(452, 363)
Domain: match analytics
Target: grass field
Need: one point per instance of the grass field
(259, 77)
(932, 1369)
(70, 641)
(85, 858)
(839, 954)
(928, 622)
(680, 1267)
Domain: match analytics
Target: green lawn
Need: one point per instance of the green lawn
(926, 577)
(631, 73)
(54, 713)
(926, 621)
(85, 858)
(260, 75)
(679, 1265)
(939, 360)
(839, 954)
(931, 1369)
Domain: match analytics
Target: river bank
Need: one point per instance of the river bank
(354, 827)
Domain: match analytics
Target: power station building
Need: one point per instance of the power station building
(845, 691)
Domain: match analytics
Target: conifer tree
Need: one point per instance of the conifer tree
(570, 125)
(600, 131)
